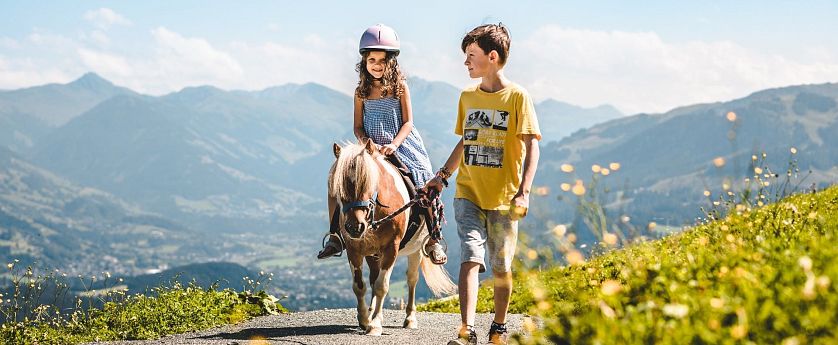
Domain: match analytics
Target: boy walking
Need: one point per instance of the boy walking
(497, 157)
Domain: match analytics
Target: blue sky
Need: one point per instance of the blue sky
(649, 56)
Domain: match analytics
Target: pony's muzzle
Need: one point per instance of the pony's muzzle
(355, 230)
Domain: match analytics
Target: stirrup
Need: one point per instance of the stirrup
(441, 242)
(340, 240)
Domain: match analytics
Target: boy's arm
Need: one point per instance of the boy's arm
(448, 169)
(522, 198)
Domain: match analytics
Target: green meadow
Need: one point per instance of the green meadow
(763, 275)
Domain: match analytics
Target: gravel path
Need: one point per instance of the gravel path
(336, 326)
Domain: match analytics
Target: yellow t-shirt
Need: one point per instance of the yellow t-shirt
(493, 153)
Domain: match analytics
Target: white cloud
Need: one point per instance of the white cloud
(635, 71)
(99, 37)
(9, 43)
(106, 64)
(191, 61)
(169, 63)
(434, 65)
(17, 73)
(48, 40)
(638, 71)
(41, 57)
(271, 63)
(104, 18)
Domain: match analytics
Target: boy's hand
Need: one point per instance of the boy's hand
(427, 196)
(434, 184)
(388, 149)
(520, 205)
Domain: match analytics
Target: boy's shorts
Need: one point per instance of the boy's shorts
(478, 227)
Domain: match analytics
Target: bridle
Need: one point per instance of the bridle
(373, 202)
(369, 205)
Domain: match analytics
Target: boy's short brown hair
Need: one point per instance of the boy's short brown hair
(489, 37)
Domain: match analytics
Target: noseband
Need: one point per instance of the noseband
(370, 204)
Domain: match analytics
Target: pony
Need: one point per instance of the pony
(367, 186)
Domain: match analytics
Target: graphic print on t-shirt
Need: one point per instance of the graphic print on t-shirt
(479, 118)
(484, 137)
(501, 120)
(470, 134)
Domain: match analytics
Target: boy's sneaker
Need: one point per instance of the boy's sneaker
(467, 336)
(498, 334)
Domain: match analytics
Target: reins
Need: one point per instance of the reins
(371, 203)
(375, 223)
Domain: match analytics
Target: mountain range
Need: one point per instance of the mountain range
(104, 178)
(48, 220)
(217, 160)
(667, 160)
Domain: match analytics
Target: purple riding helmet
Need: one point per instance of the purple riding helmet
(379, 37)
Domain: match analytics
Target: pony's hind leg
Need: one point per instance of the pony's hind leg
(413, 261)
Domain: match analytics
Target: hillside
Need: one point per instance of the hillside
(224, 274)
(667, 160)
(559, 119)
(56, 104)
(766, 276)
(49, 220)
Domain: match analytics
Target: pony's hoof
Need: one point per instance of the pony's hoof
(410, 324)
(375, 331)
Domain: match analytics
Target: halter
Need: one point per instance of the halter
(365, 203)
(370, 206)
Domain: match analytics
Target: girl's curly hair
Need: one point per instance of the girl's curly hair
(392, 82)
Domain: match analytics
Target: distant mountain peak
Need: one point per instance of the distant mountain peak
(205, 90)
(293, 89)
(601, 107)
(92, 80)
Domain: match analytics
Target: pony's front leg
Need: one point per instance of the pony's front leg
(413, 261)
(356, 264)
(372, 264)
(380, 289)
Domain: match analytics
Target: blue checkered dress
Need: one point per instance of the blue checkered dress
(382, 121)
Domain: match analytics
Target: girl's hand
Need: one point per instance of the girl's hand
(388, 149)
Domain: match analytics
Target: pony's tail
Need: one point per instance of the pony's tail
(437, 278)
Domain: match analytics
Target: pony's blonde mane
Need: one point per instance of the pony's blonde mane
(356, 165)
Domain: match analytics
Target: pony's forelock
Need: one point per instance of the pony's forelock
(359, 167)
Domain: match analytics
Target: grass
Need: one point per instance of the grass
(166, 310)
(759, 276)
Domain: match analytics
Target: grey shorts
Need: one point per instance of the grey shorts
(478, 228)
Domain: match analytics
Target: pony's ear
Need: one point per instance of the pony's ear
(369, 146)
(336, 150)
